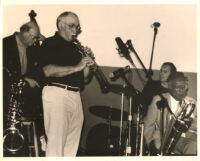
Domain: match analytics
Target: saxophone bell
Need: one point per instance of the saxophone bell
(13, 139)
(181, 124)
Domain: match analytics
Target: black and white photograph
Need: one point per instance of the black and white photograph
(99, 80)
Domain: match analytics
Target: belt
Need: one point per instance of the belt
(70, 88)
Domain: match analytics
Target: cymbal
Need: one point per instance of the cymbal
(119, 89)
(108, 112)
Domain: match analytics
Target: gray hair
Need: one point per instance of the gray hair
(62, 15)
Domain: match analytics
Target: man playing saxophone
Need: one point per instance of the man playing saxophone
(174, 104)
(65, 71)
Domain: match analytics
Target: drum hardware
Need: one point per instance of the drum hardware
(119, 89)
(139, 131)
(130, 91)
(141, 138)
(112, 114)
(128, 145)
(121, 125)
(102, 142)
(106, 112)
(109, 128)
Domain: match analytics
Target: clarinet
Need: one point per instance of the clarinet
(101, 78)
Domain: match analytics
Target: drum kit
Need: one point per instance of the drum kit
(106, 140)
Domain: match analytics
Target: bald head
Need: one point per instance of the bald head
(27, 26)
(29, 33)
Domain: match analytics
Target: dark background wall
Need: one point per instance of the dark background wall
(92, 96)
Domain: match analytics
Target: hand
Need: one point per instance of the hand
(89, 62)
(86, 61)
(32, 83)
(89, 55)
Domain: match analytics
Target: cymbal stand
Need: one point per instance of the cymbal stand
(128, 145)
(121, 123)
(110, 145)
(141, 137)
(137, 129)
(131, 91)
(140, 132)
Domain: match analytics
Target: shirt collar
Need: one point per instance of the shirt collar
(174, 104)
(60, 39)
(19, 42)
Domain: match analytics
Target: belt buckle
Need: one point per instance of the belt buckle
(75, 89)
(66, 87)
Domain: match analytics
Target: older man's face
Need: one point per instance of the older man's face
(179, 89)
(31, 36)
(70, 27)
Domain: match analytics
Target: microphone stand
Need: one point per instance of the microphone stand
(130, 91)
(139, 121)
(130, 46)
(121, 124)
(154, 38)
(128, 145)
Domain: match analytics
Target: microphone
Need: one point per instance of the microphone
(117, 73)
(155, 25)
(122, 47)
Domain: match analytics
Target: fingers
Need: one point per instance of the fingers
(32, 83)
(36, 84)
(85, 62)
(88, 61)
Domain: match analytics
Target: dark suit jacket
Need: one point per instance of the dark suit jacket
(151, 89)
(152, 120)
(11, 62)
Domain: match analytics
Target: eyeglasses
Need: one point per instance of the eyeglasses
(73, 26)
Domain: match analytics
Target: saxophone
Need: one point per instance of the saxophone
(181, 124)
(13, 139)
(103, 82)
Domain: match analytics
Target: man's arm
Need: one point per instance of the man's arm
(60, 71)
(150, 120)
(87, 74)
